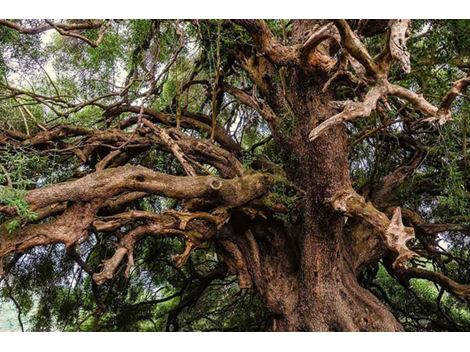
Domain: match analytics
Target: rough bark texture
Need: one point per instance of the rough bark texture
(328, 296)
(307, 276)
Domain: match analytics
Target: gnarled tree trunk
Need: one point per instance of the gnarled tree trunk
(306, 272)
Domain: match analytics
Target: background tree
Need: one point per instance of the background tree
(235, 175)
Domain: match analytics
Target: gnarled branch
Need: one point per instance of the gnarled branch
(393, 232)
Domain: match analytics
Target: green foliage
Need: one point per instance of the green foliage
(285, 196)
(421, 307)
(86, 117)
(23, 168)
(456, 198)
(13, 225)
(15, 198)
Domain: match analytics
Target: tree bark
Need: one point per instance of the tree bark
(307, 273)
(328, 297)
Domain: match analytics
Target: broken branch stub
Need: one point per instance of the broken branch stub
(393, 233)
(396, 237)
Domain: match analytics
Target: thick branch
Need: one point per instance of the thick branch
(268, 44)
(174, 147)
(182, 224)
(304, 55)
(110, 182)
(459, 290)
(441, 114)
(65, 29)
(356, 48)
(417, 100)
(444, 113)
(68, 229)
(353, 110)
(263, 109)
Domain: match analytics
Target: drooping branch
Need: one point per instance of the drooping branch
(72, 26)
(60, 105)
(441, 114)
(56, 134)
(444, 112)
(187, 120)
(65, 29)
(456, 289)
(68, 33)
(186, 149)
(263, 109)
(395, 237)
(381, 90)
(170, 223)
(126, 248)
(68, 229)
(417, 100)
(89, 193)
(172, 145)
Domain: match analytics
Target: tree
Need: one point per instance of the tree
(320, 162)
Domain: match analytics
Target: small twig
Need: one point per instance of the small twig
(7, 176)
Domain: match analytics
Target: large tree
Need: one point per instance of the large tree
(311, 159)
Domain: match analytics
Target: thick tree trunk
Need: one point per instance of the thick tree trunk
(307, 274)
(328, 296)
